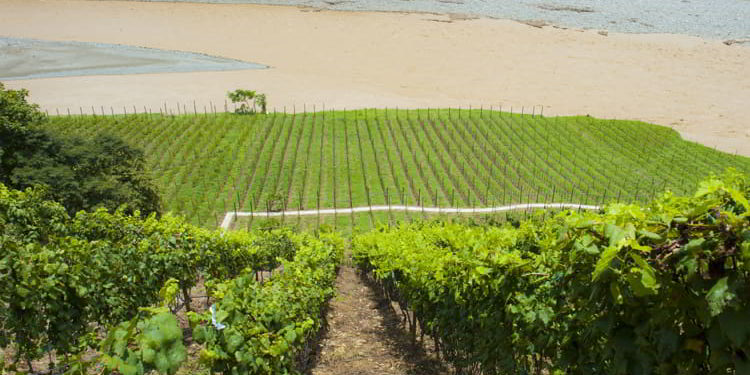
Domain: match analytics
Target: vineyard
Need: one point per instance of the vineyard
(656, 289)
(611, 263)
(660, 288)
(104, 291)
(212, 163)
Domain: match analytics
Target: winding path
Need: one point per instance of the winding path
(231, 216)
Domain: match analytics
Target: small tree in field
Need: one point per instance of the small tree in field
(275, 202)
(249, 101)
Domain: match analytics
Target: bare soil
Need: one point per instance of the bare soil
(366, 335)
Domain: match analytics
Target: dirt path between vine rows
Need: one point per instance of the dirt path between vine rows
(365, 337)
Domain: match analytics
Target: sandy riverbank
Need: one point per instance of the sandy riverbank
(354, 60)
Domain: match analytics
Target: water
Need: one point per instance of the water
(714, 19)
(22, 58)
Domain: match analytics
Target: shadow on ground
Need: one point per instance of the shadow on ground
(365, 335)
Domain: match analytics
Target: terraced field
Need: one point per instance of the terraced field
(210, 164)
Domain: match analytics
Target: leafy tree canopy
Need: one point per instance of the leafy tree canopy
(81, 174)
(249, 101)
(16, 116)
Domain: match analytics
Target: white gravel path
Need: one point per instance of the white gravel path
(231, 216)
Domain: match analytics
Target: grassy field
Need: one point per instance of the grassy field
(209, 164)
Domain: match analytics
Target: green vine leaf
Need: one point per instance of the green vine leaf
(719, 296)
(608, 255)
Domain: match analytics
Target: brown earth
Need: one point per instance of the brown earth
(366, 336)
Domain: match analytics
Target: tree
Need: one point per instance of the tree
(88, 174)
(275, 202)
(79, 173)
(249, 101)
(16, 116)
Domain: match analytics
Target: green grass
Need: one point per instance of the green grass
(206, 165)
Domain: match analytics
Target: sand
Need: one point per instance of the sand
(346, 60)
